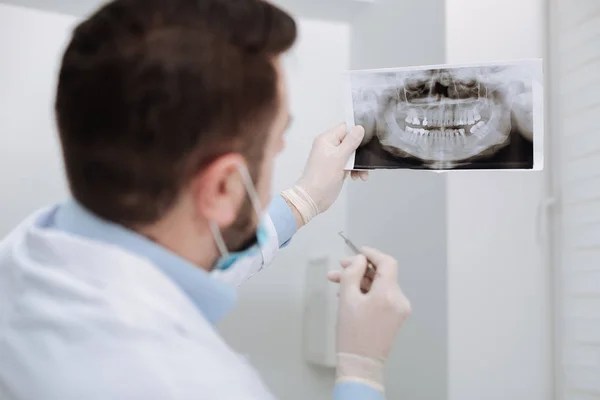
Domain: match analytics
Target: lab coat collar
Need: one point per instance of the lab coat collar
(213, 298)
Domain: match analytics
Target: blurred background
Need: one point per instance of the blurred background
(503, 268)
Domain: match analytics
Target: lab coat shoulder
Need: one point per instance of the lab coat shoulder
(76, 324)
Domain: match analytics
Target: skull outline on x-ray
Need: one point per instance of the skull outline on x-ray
(444, 116)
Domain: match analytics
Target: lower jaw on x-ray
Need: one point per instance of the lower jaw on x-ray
(444, 120)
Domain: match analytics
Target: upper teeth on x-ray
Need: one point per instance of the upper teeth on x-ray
(444, 117)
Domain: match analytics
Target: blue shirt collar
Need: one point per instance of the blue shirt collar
(213, 298)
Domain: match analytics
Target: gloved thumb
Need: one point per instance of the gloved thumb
(353, 139)
(353, 274)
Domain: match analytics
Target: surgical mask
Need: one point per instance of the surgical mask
(228, 258)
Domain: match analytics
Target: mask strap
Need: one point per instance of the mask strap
(216, 232)
(247, 179)
(252, 194)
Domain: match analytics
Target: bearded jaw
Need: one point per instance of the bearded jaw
(241, 235)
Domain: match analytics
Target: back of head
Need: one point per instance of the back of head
(150, 91)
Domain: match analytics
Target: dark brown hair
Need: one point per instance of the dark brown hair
(150, 91)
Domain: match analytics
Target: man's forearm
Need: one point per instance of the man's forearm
(297, 216)
(356, 391)
(285, 219)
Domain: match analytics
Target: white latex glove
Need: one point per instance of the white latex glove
(368, 323)
(323, 176)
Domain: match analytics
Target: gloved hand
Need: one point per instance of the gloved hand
(368, 323)
(324, 174)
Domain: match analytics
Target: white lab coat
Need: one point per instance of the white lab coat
(76, 324)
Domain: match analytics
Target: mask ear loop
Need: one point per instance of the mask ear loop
(250, 188)
(219, 240)
(218, 237)
(254, 199)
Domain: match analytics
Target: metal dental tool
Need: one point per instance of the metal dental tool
(356, 251)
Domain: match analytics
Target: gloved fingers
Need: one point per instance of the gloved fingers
(365, 284)
(362, 175)
(370, 274)
(339, 136)
(352, 140)
(336, 277)
(345, 262)
(354, 273)
(387, 266)
(335, 135)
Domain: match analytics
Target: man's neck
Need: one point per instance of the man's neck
(181, 236)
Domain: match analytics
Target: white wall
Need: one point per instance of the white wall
(575, 83)
(31, 43)
(403, 212)
(330, 10)
(499, 308)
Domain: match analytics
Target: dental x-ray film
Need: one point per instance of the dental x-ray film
(448, 117)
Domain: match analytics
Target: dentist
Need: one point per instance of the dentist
(170, 115)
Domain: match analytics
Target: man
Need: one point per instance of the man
(170, 114)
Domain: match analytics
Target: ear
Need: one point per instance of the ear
(218, 190)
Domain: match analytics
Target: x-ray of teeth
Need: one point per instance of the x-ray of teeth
(487, 116)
